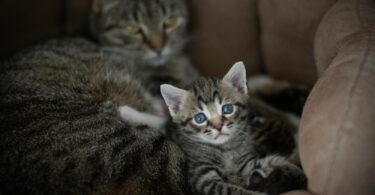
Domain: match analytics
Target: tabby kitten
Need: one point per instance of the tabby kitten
(152, 32)
(62, 130)
(215, 135)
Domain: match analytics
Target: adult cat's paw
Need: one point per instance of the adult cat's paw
(276, 179)
(134, 116)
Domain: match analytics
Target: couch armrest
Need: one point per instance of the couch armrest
(337, 132)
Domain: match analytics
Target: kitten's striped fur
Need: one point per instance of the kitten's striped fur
(223, 157)
(61, 133)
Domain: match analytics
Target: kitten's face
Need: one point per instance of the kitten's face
(212, 112)
(213, 116)
(152, 30)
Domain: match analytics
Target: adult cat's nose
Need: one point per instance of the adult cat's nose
(156, 42)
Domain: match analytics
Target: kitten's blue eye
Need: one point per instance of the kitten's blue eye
(200, 118)
(227, 109)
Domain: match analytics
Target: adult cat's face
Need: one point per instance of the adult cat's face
(152, 30)
(212, 112)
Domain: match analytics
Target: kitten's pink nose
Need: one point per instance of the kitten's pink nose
(218, 126)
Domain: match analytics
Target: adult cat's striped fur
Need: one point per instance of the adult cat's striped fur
(68, 106)
(61, 132)
(219, 137)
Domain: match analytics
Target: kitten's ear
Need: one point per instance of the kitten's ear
(103, 6)
(173, 97)
(237, 77)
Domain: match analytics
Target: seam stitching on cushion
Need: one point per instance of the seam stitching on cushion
(353, 87)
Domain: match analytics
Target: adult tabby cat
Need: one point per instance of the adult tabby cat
(62, 129)
(70, 120)
(152, 32)
(214, 132)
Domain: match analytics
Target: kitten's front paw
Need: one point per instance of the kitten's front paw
(277, 179)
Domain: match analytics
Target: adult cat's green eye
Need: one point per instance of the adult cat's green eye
(170, 22)
(200, 118)
(227, 109)
(133, 29)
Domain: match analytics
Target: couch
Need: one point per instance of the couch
(327, 44)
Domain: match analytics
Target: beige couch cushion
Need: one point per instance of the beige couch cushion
(337, 134)
(224, 32)
(287, 37)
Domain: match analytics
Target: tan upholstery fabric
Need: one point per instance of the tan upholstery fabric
(287, 36)
(337, 133)
(224, 31)
(345, 21)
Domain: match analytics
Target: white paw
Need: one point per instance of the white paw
(134, 116)
(158, 107)
(126, 111)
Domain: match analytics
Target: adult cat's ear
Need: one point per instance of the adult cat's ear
(103, 6)
(237, 77)
(173, 97)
